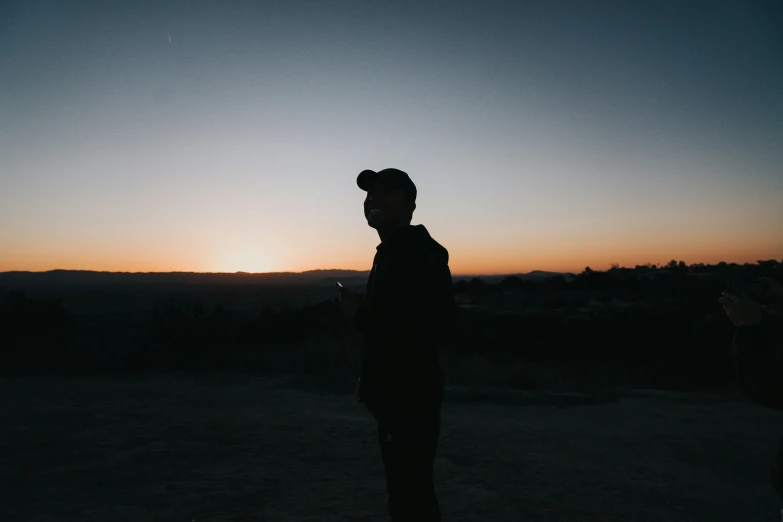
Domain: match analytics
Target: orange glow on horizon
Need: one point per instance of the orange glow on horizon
(461, 263)
(547, 250)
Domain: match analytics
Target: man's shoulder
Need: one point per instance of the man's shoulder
(422, 246)
(420, 252)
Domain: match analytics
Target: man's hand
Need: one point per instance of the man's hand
(349, 303)
(743, 311)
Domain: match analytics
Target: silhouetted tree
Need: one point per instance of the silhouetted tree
(478, 286)
(556, 282)
(511, 283)
(461, 287)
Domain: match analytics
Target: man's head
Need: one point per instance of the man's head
(391, 198)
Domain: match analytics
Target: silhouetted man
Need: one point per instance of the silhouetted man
(406, 315)
(758, 345)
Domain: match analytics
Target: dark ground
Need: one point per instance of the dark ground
(183, 448)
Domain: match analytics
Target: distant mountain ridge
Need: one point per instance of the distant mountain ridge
(310, 277)
(87, 277)
(535, 274)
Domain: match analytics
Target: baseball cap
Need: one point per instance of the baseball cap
(393, 178)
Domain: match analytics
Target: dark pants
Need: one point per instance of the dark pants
(409, 438)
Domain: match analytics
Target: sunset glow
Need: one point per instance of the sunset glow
(250, 262)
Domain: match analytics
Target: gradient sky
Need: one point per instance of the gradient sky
(227, 135)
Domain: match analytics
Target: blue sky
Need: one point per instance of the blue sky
(223, 136)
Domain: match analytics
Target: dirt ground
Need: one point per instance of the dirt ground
(243, 449)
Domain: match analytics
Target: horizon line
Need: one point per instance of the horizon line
(290, 272)
(240, 272)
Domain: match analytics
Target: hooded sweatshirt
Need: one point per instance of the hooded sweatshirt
(407, 316)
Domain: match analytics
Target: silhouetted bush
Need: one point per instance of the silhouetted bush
(477, 286)
(648, 326)
(461, 287)
(34, 334)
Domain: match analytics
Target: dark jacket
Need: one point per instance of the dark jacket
(407, 316)
(759, 360)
